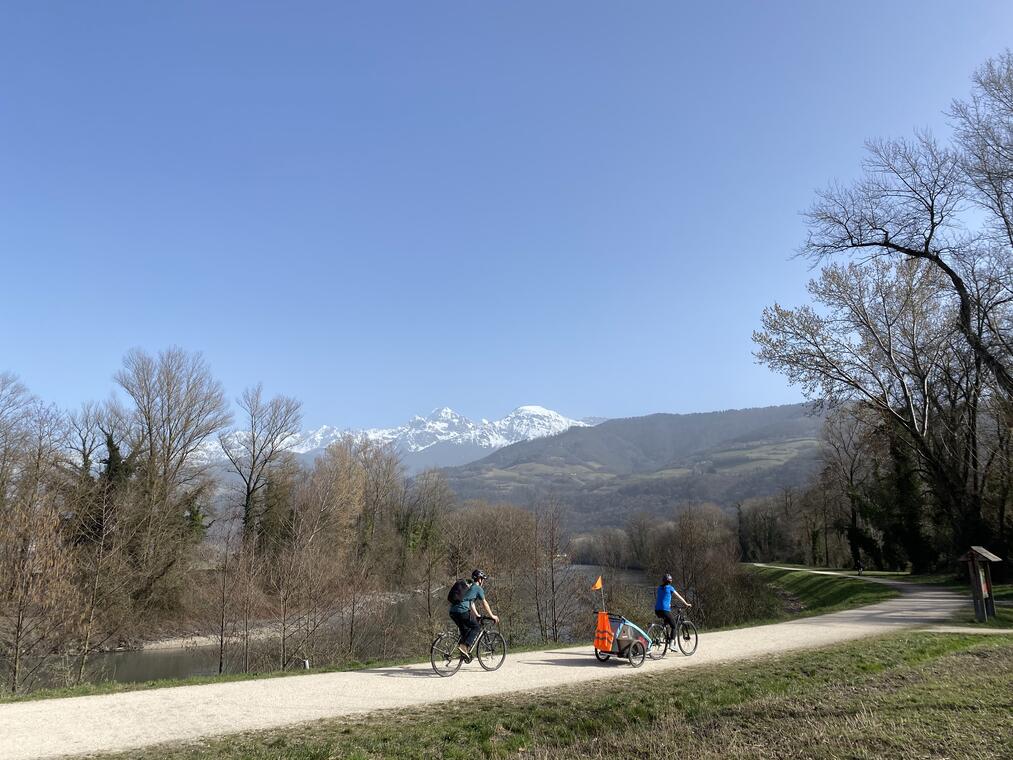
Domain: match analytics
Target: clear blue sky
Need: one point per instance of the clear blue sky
(380, 208)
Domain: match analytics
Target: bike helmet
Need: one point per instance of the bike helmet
(666, 578)
(477, 575)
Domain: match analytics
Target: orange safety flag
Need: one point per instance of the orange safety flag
(597, 584)
(603, 635)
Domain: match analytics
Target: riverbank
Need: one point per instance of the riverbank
(803, 593)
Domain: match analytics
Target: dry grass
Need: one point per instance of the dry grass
(957, 706)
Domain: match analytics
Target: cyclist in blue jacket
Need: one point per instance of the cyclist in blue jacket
(663, 603)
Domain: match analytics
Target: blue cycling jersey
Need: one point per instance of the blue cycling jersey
(663, 600)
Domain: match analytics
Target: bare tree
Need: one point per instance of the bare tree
(700, 548)
(177, 407)
(37, 596)
(911, 204)
(268, 431)
(884, 337)
(847, 435)
(555, 591)
(85, 437)
(319, 572)
(15, 404)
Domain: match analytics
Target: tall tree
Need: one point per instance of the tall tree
(37, 596)
(911, 203)
(177, 407)
(268, 430)
(883, 336)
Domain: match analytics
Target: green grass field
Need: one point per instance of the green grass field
(905, 695)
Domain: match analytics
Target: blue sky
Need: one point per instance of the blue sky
(380, 207)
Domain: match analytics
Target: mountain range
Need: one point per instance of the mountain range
(443, 438)
(603, 470)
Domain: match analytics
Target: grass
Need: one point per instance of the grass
(820, 594)
(905, 695)
(1003, 618)
(1003, 591)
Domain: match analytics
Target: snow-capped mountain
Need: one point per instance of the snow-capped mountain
(444, 437)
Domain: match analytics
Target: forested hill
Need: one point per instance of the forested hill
(611, 470)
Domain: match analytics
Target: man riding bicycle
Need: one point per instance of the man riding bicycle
(663, 604)
(465, 613)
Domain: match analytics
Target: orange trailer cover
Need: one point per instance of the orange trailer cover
(603, 633)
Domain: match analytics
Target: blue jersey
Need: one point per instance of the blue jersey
(663, 600)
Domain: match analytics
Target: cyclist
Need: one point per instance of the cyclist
(465, 613)
(663, 603)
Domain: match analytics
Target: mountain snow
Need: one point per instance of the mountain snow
(442, 425)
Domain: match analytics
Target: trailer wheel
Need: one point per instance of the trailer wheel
(637, 654)
(602, 657)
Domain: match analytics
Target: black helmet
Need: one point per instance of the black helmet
(666, 578)
(477, 575)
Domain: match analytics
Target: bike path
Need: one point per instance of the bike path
(113, 722)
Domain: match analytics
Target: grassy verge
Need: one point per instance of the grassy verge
(819, 594)
(905, 695)
(1003, 618)
(1003, 591)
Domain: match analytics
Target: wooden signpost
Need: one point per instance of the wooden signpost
(980, 573)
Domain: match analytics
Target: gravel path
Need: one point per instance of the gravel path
(79, 725)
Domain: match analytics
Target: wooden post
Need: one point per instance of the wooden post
(987, 590)
(979, 569)
(980, 613)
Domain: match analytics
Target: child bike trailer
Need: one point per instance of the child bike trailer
(615, 636)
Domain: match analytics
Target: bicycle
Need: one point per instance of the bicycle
(686, 637)
(489, 646)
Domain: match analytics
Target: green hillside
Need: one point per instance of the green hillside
(609, 471)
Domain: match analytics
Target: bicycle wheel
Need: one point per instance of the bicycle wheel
(637, 654)
(444, 654)
(687, 637)
(602, 656)
(659, 641)
(491, 650)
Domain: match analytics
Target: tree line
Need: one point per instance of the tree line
(119, 522)
(908, 342)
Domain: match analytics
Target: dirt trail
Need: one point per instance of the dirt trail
(58, 727)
